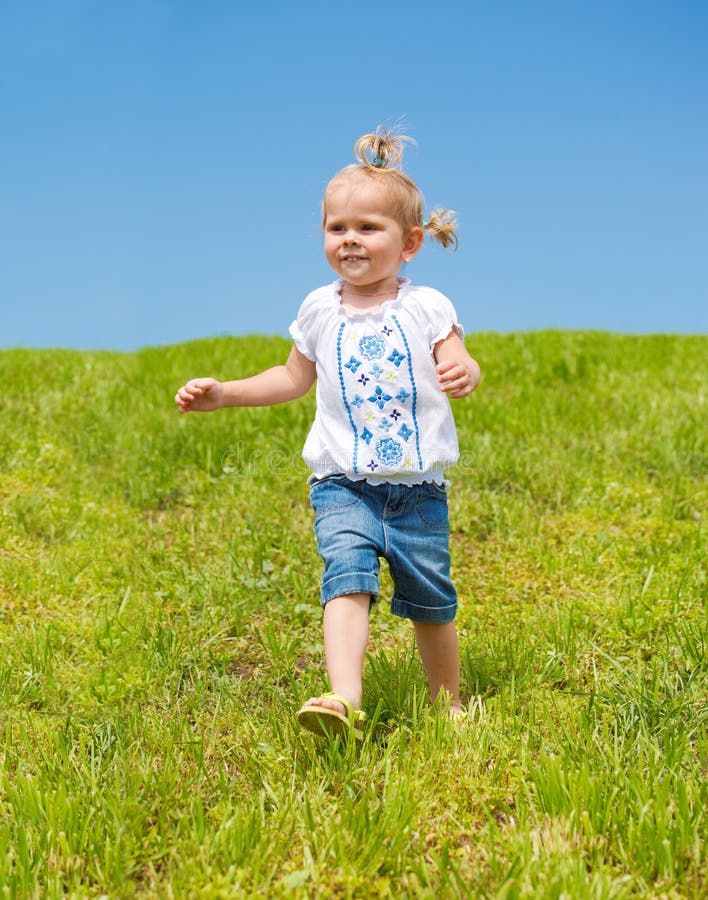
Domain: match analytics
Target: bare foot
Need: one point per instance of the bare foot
(327, 703)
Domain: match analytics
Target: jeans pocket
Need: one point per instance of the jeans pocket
(333, 494)
(431, 507)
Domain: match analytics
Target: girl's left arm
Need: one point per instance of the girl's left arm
(457, 372)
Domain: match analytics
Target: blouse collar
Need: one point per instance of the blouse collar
(337, 285)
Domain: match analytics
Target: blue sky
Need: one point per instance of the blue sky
(162, 163)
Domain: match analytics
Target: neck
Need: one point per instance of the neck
(370, 292)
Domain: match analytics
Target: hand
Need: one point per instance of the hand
(200, 395)
(456, 378)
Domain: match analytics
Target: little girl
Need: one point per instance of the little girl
(386, 355)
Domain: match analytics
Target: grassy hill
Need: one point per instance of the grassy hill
(159, 628)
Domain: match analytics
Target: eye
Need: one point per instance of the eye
(335, 228)
(368, 228)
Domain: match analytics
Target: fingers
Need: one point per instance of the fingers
(189, 393)
(454, 379)
(443, 367)
(458, 392)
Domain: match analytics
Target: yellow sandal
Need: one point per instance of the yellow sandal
(325, 722)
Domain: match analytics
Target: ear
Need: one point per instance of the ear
(412, 243)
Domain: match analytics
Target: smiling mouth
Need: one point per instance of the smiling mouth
(353, 258)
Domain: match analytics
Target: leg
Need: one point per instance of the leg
(346, 636)
(440, 654)
(418, 555)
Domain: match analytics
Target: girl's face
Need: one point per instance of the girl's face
(363, 243)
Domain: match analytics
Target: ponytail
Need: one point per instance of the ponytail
(442, 227)
(381, 150)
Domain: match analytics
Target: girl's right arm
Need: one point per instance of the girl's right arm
(276, 385)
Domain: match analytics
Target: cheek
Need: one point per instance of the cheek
(393, 250)
(330, 252)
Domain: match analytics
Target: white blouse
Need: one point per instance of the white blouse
(381, 415)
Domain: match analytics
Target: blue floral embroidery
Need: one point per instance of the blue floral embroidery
(402, 396)
(357, 401)
(385, 425)
(405, 432)
(377, 371)
(386, 330)
(353, 364)
(372, 347)
(396, 358)
(372, 465)
(366, 436)
(363, 379)
(389, 451)
(379, 397)
(415, 392)
(344, 394)
(395, 415)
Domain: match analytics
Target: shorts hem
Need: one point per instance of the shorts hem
(433, 615)
(349, 583)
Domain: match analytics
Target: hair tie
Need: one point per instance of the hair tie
(379, 162)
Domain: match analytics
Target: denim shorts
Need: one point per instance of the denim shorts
(356, 523)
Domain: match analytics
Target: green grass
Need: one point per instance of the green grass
(159, 628)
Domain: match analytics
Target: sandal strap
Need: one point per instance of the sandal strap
(354, 715)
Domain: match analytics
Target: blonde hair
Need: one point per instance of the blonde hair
(380, 157)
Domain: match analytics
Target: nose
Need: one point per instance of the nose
(350, 237)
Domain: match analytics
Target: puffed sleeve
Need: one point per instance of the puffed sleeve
(441, 318)
(304, 329)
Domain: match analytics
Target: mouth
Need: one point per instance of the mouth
(352, 259)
